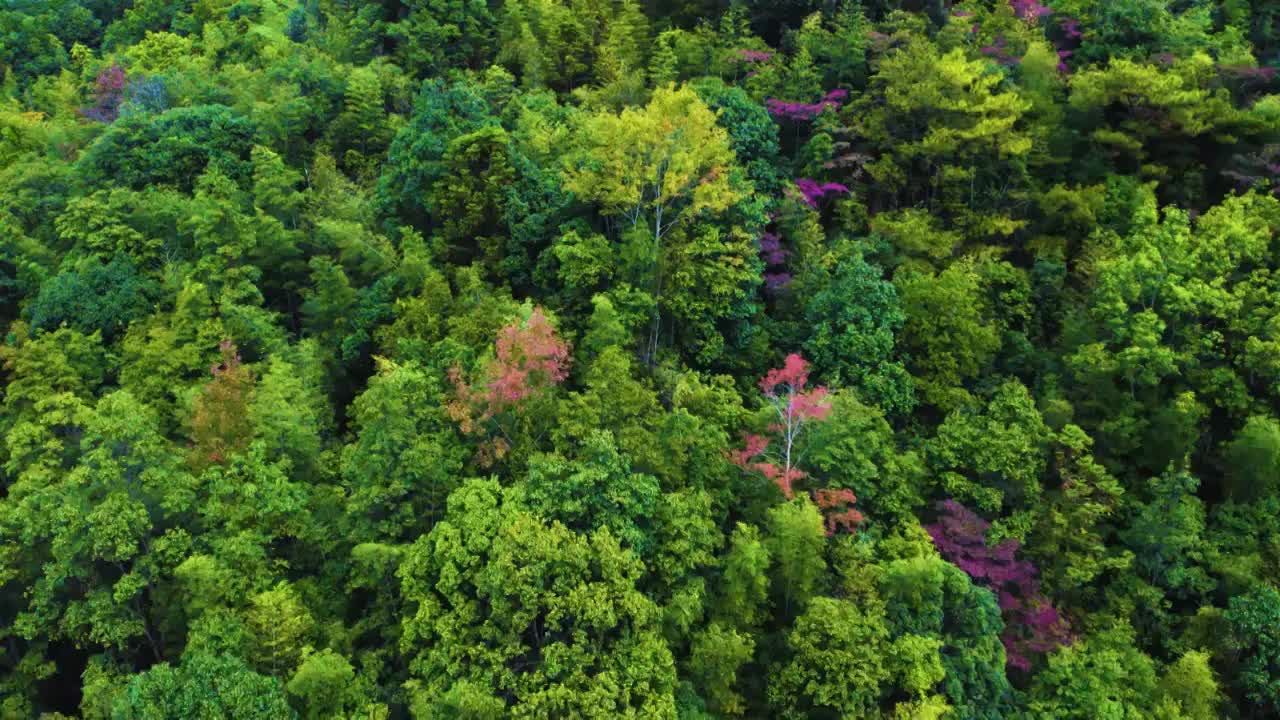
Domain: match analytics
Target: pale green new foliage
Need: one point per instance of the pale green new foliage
(667, 157)
(282, 625)
(714, 660)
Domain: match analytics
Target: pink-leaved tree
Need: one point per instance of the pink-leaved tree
(529, 358)
(796, 406)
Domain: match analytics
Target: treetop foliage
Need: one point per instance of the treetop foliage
(671, 359)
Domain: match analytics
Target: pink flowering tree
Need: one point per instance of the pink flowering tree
(794, 407)
(529, 358)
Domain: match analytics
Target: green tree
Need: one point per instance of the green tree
(675, 164)
(1252, 619)
(714, 660)
(950, 135)
(854, 319)
(203, 687)
(795, 543)
(597, 490)
(441, 34)
(839, 662)
(405, 458)
(743, 591)
(1253, 459)
(948, 337)
(550, 619)
(1101, 676)
(174, 147)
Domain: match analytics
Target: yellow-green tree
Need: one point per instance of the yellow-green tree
(656, 168)
(949, 135)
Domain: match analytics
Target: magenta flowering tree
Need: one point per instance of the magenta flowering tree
(999, 52)
(811, 191)
(1033, 625)
(1030, 10)
(774, 257)
(805, 112)
(749, 57)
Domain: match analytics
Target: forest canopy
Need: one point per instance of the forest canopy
(901, 359)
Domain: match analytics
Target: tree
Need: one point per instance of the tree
(1166, 536)
(1033, 624)
(943, 118)
(361, 132)
(174, 147)
(281, 624)
(948, 337)
(839, 659)
(795, 408)
(995, 456)
(1252, 619)
(853, 321)
(595, 490)
(439, 34)
(415, 158)
(796, 536)
(203, 687)
(663, 165)
(714, 660)
(1191, 685)
(218, 419)
(405, 458)
(98, 536)
(1253, 459)
(743, 591)
(529, 359)
(856, 449)
(1102, 676)
(550, 619)
(471, 199)
(1076, 520)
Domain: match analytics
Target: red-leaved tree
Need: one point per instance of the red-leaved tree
(529, 357)
(837, 509)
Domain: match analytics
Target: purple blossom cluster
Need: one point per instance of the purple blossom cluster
(1248, 73)
(1029, 10)
(804, 112)
(774, 257)
(812, 192)
(1071, 35)
(1032, 624)
(108, 91)
(999, 52)
(743, 55)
